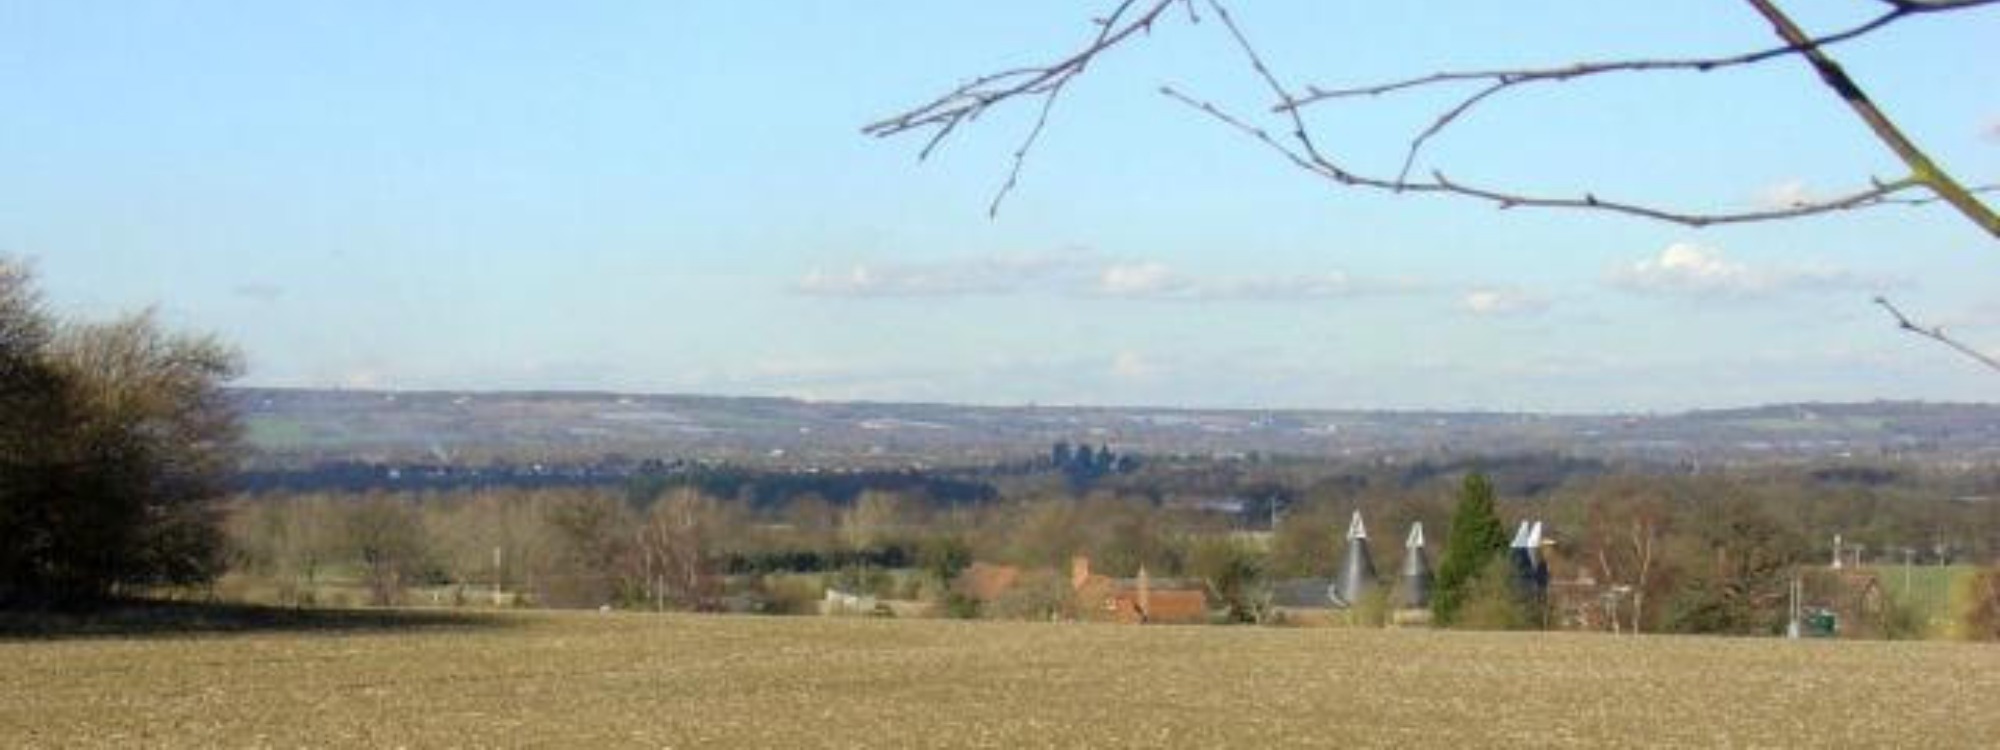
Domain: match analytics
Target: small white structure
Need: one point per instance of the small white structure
(839, 602)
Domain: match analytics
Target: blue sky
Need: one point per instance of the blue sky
(676, 197)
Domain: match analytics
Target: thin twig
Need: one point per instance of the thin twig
(1130, 18)
(1310, 157)
(1878, 193)
(1501, 80)
(973, 98)
(1936, 333)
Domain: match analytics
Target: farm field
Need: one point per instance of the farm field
(589, 679)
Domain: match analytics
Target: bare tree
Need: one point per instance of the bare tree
(385, 535)
(1292, 140)
(675, 548)
(875, 516)
(1625, 532)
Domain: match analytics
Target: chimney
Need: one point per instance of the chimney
(1145, 594)
(1079, 571)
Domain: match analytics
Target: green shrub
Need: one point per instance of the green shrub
(1493, 601)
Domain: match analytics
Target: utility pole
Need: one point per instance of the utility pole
(496, 575)
(1909, 561)
(1793, 629)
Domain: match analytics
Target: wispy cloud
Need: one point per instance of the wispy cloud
(1991, 130)
(1129, 365)
(1082, 274)
(1503, 302)
(1155, 281)
(986, 274)
(1692, 270)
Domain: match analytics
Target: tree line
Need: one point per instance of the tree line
(1713, 553)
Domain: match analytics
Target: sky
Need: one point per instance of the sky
(677, 197)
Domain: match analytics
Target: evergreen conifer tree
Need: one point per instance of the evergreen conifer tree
(1476, 538)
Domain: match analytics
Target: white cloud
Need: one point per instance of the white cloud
(1133, 366)
(1155, 281)
(1499, 302)
(1991, 132)
(1689, 269)
(1081, 274)
(362, 379)
(1787, 194)
(1140, 280)
(986, 274)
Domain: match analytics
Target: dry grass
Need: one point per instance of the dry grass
(589, 680)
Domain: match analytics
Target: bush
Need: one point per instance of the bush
(1040, 595)
(114, 439)
(1975, 606)
(1493, 601)
(1373, 610)
(1233, 571)
(961, 607)
(790, 594)
(1900, 619)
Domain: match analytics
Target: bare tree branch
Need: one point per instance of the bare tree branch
(1936, 333)
(973, 98)
(944, 114)
(1308, 156)
(1921, 167)
(1879, 193)
(1930, 5)
(1503, 79)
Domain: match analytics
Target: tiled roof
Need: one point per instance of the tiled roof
(1303, 593)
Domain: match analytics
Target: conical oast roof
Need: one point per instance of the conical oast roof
(1520, 554)
(1416, 570)
(1538, 570)
(1357, 574)
(1531, 572)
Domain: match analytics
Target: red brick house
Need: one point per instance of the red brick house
(1135, 601)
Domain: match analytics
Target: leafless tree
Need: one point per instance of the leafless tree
(384, 534)
(676, 546)
(873, 518)
(1625, 533)
(1041, 86)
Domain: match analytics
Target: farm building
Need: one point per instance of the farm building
(1090, 596)
(1137, 600)
(1303, 601)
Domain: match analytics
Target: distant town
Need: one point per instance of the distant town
(425, 437)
